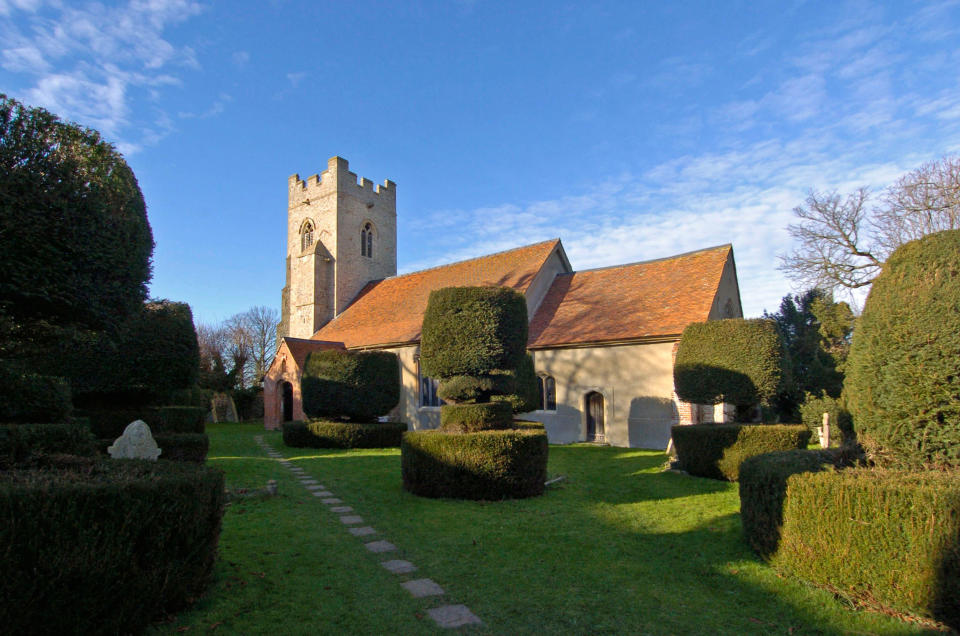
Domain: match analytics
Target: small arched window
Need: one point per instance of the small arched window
(547, 387)
(306, 235)
(366, 240)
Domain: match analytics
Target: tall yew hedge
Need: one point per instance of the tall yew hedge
(903, 372)
(735, 361)
(359, 385)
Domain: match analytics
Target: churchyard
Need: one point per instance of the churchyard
(618, 546)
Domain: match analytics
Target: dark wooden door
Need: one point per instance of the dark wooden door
(287, 401)
(593, 404)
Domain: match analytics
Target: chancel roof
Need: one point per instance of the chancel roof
(390, 311)
(656, 298)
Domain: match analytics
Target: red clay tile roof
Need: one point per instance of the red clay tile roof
(641, 300)
(390, 311)
(300, 347)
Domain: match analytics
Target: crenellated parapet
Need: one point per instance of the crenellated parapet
(337, 178)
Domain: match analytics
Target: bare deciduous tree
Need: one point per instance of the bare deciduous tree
(841, 243)
(242, 345)
(262, 323)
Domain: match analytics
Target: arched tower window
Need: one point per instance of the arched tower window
(366, 240)
(306, 235)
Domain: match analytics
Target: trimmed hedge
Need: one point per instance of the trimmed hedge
(489, 465)
(525, 396)
(717, 450)
(473, 331)
(763, 488)
(885, 538)
(360, 385)
(902, 384)
(177, 447)
(158, 349)
(325, 434)
(470, 418)
(734, 360)
(20, 442)
(109, 423)
(27, 397)
(104, 547)
(841, 423)
(480, 388)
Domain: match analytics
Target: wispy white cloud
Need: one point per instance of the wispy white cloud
(90, 62)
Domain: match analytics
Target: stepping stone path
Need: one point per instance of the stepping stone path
(449, 616)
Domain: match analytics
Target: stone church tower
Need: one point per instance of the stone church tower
(341, 234)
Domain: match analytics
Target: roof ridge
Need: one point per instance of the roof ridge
(652, 260)
(467, 260)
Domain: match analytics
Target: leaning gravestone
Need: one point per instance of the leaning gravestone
(136, 443)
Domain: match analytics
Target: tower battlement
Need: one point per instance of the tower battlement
(336, 178)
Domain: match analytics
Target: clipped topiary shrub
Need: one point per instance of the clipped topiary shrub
(763, 489)
(183, 447)
(469, 418)
(359, 385)
(717, 450)
(473, 331)
(488, 465)
(104, 546)
(26, 397)
(324, 434)
(469, 388)
(21, 442)
(525, 396)
(841, 424)
(179, 419)
(903, 385)
(885, 538)
(735, 361)
(158, 349)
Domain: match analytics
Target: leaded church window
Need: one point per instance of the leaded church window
(306, 236)
(366, 240)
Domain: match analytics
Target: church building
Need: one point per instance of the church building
(603, 340)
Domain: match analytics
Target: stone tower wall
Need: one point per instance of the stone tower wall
(325, 277)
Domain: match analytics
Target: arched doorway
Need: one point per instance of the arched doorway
(286, 390)
(593, 407)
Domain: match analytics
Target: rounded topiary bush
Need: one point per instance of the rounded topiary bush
(326, 434)
(487, 465)
(735, 361)
(468, 418)
(903, 374)
(473, 331)
(359, 385)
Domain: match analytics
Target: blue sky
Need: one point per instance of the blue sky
(630, 130)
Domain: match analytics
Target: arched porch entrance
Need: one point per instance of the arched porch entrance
(286, 400)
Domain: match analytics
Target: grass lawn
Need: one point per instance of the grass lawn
(618, 547)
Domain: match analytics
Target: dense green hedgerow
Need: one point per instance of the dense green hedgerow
(473, 331)
(183, 447)
(33, 398)
(110, 422)
(20, 442)
(763, 488)
(903, 379)
(470, 418)
(886, 538)
(717, 450)
(735, 361)
(488, 465)
(359, 385)
(158, 348)
(841, 424)
(325, 434)
(105, 547)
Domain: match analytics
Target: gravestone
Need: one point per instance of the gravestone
(136, 443)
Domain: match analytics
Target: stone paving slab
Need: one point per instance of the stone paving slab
(308, 480)
(399, 566)
(453, 616)
(362, 531)
(422, 587)
(341, 509)
(380, 546)
(314, 487)
(351, 520)
(325, 493)
(328, 501)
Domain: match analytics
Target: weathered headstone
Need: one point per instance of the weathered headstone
(825, 432)
(136, 443)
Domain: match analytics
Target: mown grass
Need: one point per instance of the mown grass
(617, 547)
